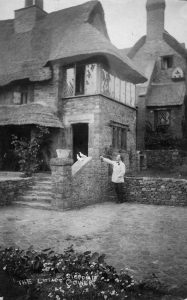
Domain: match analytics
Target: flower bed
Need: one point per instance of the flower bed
(47, 275)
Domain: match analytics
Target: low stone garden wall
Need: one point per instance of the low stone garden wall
(159, 191)
(163, 159)
(11, 188)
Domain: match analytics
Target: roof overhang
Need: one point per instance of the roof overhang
(28, 114)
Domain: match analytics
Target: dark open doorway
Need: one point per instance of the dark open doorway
(80, 139)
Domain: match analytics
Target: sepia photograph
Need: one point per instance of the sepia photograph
(93, 150)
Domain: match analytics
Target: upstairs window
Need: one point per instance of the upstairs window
(24, 97)
(21, 96)
(167, 62)
(80, 79)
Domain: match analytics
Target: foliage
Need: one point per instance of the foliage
(71, 275)
(161, 138)
(28, 150)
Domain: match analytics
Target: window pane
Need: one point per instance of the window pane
(105, 81)
(128, 93)
(69, 82)
(111, 86)
(123, 92)
(133, 95)
(118, 138)
(117, 88)
(123, 138)
(91, 79)
(163, 118)
(24, 96)
(80, 78)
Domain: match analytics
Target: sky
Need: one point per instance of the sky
(125, 19)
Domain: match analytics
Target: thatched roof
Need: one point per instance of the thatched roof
(169, 39)
(167, 94)
(33, 113)
(66, 35)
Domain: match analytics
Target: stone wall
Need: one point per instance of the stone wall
(91, 185)
(10, 189)
(98, 111)
(88, 186)
(163, 159)
(158, 191)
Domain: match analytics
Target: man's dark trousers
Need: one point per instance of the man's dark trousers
(119, 191)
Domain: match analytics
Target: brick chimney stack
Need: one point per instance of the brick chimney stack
(155, 19)
(26, 18)
(38, 3)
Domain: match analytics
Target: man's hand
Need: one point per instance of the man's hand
(101, 157)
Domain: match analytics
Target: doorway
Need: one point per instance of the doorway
(80, 139)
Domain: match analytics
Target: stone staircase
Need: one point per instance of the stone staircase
(39, 194)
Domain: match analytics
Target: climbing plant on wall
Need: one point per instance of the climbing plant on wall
(28, 150)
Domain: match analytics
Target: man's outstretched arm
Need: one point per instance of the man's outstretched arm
(107, 160)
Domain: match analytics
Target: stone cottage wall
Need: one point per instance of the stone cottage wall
(176, 117)
(158, 191)
(10, 189)
(98, 111)
(111, 110)
(163, 159)
(149, 51)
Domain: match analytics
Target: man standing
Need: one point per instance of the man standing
(117, 175)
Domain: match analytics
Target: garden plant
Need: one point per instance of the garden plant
(47, 275)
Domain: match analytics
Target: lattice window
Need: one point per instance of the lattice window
(163, 118)
(91, 79)
(69, 84)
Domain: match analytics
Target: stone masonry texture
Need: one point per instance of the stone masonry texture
(11, 189)
(164, 159)
(158, 191)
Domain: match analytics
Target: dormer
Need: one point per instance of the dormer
(25, 18)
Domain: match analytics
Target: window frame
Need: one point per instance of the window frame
(119, 136)
(156, 118)
(166, 60)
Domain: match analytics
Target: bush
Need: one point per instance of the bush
(161, 138)
(47, 275)
(28, 150)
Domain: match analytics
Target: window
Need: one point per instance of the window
(166, 62)
(162, 118)
(24, 97)
(79, 79)
(119, 137)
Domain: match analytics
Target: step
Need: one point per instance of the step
(42, 182)
(35, 188)
(33, 204)
(38, 193)
(31, 198)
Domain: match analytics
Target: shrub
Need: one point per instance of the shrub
(28, 150)
(71, 275)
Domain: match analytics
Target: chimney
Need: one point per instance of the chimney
(155, 19)
(25, 18)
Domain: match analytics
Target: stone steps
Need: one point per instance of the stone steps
(39, 194)
(34, 204)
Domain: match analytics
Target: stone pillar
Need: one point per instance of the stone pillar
(61, 182)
